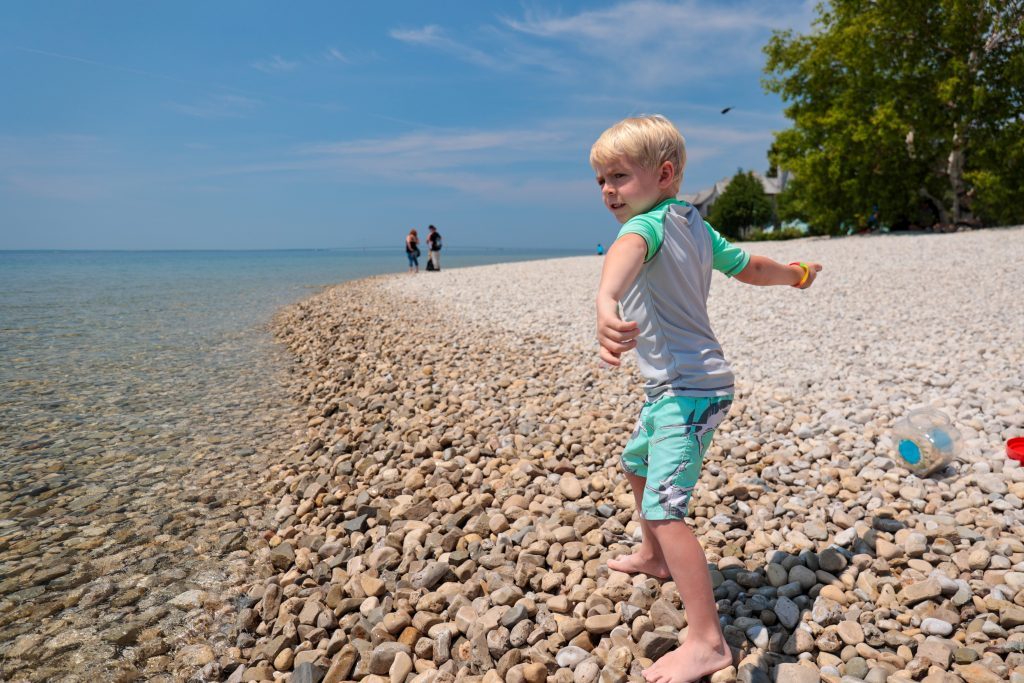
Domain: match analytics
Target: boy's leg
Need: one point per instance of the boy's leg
(705, 650)
(680, 432)
(648, 558)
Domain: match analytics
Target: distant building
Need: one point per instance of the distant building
(704, 199)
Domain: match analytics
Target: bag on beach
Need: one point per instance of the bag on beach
(430, 264)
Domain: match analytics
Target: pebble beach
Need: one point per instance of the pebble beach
(439, 500)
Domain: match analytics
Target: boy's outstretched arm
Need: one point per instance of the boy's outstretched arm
(763, 271)
(622, 264)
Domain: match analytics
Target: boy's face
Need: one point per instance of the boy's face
(629, 189)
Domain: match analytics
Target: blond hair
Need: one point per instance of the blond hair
(649, 140)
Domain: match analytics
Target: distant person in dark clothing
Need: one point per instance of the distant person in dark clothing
(412, 251)
(600, 249)
(434, 253)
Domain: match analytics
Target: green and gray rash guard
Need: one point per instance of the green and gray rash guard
(677, 351)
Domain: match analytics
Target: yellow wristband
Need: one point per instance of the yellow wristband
(807, 272)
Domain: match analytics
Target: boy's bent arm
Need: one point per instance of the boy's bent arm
(622, 264)
(763, 271)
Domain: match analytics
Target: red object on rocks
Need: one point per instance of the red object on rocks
(1015, 449)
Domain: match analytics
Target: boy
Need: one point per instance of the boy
(659, 271)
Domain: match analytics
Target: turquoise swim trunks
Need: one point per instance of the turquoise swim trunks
(667, 449)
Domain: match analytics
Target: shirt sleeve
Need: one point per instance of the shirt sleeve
(648, 227)
(728, 258)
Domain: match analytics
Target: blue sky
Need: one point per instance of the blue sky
(230, 125)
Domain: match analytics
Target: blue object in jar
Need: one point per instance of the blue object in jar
(910, 452)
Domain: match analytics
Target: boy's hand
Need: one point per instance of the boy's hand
(616, 336)
(812, 272)
(621, 266)
(763, 272)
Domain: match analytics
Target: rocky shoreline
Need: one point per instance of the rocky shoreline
(448, 511)
(442, 504)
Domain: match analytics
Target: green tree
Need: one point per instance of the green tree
(911, 106)
(742, 205)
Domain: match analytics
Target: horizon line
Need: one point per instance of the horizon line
(266, 249)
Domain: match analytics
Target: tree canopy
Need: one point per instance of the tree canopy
(742, 205)
(913, 109)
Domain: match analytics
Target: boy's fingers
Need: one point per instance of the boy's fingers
(616, 324)
(617, 336)
(623, 325)
(609, 357)
(811, 276)
(615, 346)
(620, 331)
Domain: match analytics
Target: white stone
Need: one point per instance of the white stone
(936, 627)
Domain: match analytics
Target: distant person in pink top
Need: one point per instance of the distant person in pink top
(412, 251)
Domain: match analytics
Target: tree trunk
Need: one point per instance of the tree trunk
(940, 208)
(955, 169)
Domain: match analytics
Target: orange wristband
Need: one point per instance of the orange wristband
(807, 273)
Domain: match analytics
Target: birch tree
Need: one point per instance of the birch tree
(911, 108)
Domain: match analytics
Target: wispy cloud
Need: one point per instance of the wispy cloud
(633, 106)
(274, 65)
(532, 190)
(504, 51)
(483, 162)
(57, 150)
(184, 81)
(333, 54)
(475, 161)
(59, 166)
(74, 188)
(435, 37)
(650, 42)
(639, 21)
(104, 65)
(638, 43)
(327, 56)
(436, 144)
(217, 107)
(726, 135)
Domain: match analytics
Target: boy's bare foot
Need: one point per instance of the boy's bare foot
(689, 663)
(639, 563)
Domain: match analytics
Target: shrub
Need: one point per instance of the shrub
(742, 205)
(783, 234)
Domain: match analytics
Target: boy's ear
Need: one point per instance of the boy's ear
(666, 173)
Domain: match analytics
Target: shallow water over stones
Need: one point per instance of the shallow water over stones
(120, 495)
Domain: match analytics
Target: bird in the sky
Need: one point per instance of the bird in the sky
(726, 110)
